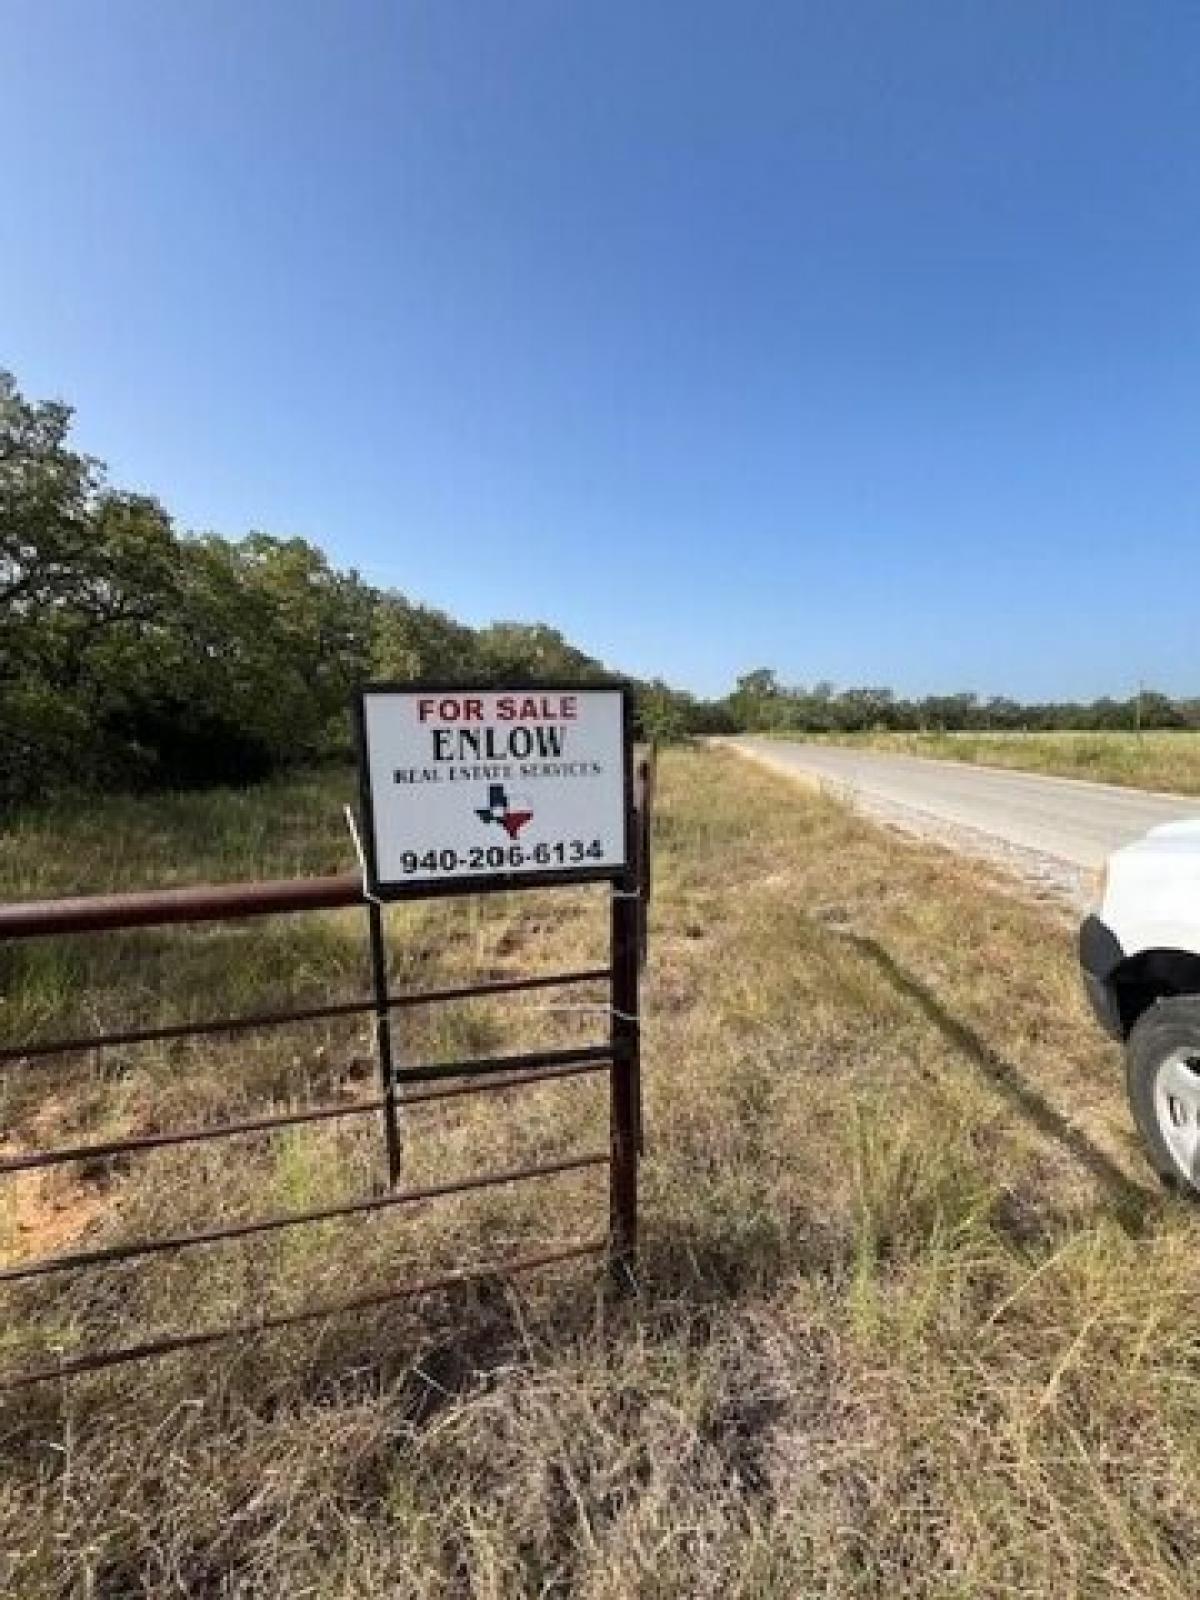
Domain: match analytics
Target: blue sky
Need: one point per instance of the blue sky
(860, 339)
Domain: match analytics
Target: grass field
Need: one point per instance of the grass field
(1167, 761)
(913, 1317)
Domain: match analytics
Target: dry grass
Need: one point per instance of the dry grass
(913, 1319)
(1167, 761)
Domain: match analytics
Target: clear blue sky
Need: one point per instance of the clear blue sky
(856, 338)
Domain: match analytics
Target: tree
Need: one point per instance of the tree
(755, 699)
(513, 650)
(663, 714)
(412, 641)
(46, 496)
(85, 573)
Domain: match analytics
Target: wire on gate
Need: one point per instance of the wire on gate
(361, 854)
(596, 1010)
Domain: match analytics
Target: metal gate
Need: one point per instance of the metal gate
(618, 1055)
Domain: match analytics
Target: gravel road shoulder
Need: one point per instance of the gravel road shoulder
(1050, 877)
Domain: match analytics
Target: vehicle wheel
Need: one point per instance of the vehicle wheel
(1163, 1080)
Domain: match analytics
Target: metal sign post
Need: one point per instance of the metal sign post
(466, 790)
(625, 1078)
(383, 1039)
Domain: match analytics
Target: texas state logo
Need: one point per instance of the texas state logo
(511, 815)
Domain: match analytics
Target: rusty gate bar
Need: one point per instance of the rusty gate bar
(483, 1066)
(31, 1160)
(40, 1049)
(498, 1085)
(152, 908)
(37, 1049)
(109, 1255)
(73, 1366)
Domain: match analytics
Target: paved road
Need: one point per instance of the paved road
(1071, 821)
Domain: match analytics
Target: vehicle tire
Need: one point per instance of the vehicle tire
(1163, 1082)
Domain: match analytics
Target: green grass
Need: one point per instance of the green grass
(1162, 760)
(913, 1319)
(282, 829)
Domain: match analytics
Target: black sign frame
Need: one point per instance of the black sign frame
(622, 873)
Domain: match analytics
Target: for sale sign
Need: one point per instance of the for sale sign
(483, 788)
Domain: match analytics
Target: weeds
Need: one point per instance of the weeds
(912, 1318)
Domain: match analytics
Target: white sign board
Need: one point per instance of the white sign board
(493, 784)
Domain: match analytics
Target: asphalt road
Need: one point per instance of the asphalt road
(1071, 821)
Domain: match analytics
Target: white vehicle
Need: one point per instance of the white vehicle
(1140, 955)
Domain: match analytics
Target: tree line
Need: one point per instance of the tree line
(761, 703)
(136, 655)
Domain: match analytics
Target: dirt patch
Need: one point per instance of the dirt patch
(45, 1213)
